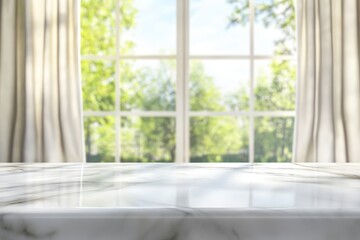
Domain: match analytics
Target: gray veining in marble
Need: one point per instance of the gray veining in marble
(180, 202)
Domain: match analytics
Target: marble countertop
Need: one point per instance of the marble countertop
(212, 186)
(171, 191)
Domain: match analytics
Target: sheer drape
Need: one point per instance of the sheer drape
(328, 106)
(40, 93)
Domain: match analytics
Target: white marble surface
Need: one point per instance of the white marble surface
(180, 202)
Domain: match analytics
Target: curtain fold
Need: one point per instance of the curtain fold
(40, 90)
(328, 86)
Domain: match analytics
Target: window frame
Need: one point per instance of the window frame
(182, 114)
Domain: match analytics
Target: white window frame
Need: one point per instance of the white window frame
(183, 113)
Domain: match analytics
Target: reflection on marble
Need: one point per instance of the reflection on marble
(180, 202)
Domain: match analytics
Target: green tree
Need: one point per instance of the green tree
(214, 139)
(150, 139)
(277, 13)
(143, 139)
(273, 136)
(98, 31)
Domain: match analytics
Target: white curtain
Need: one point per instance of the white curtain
(328, 101)
(40, 93)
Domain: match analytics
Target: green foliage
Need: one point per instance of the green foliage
(148, 139)
(150, 88)
(273, 139)
(128, 15)
(276, 91)
(203, 93)
(98, 85)
(98, 27)
(215, 139)
(238, 100)
(277, 13)
(219, 139)
(100, 139)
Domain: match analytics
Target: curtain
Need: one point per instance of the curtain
(328, 87)
(40, 90)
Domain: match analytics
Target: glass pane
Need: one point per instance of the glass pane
(219, 139)
(100, 139)
(148, 139)
(148, 85)
(98, 84)
(214, 30)
(274, 85)
(274, 30)
(148, 27)
(273, 139)
(98, 27)
(219, 85)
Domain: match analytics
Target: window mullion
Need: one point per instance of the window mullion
(186, 81)
(251, 120)
(179, 82)
(117, 85)
(182, 108)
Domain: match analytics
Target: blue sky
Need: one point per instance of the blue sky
(155, 33)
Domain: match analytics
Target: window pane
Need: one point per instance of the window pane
(219, 85)
(148, 27)
(148, 139)
(274, 85)
(98, 27)
(98, 84)
(148, 85)
(274, 30)
(212, 30)
(219, 139)
(100, 139)
(273, 139)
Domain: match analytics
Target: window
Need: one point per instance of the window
(190, 81)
